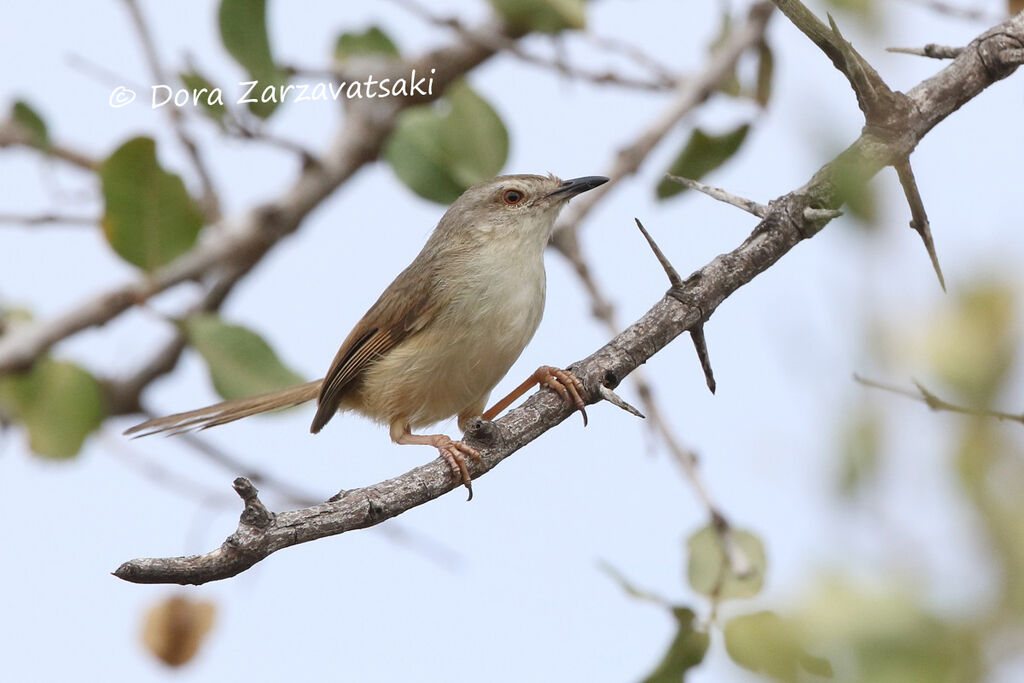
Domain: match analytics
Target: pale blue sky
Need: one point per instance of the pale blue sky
(525, 599)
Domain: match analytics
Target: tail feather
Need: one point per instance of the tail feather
(228, 411)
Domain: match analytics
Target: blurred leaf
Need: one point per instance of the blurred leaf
(765, 74)
(864, 9)
(710, 571)
(175, 628)
(860, 200)
(59, 404)
(686, 651)
(730, 83)
(241, 363)
(991, 469)
(438, 153)
(372, 41)
(243, 30)
(972, 345)
(766, 643)
(859, 448)
(149, 217)
(545, 16)
(702, 154)
(196, 82)
(884, 636)
(29, 119)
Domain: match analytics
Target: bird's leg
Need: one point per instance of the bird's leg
(562, 381)
(454, 452)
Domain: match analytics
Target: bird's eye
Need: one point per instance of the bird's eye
(513, 197)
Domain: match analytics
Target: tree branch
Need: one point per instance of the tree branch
(261, 533)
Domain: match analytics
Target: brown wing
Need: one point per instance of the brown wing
(405, 307)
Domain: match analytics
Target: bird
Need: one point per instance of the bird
(444, 332)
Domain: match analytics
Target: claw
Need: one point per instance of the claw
(454, 453)
(566, 384)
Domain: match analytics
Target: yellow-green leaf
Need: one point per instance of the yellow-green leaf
(702, 154)
(686, 651)
(373, 42)
(766, 643)
(241, 363)
(58, 403)
(243, 30)
(715, 570)
(440, 150)
(30, 120)
(545, 16)
(149, 218)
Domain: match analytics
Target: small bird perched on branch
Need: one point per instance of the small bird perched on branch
(445, 331)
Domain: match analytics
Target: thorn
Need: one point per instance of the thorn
(673, 277)
(919, 219)
(700, 344)
(815, 215)
(613, 398)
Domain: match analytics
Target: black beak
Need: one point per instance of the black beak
(571, 188)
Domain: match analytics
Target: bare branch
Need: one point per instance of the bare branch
(260, 533)
(748, 205)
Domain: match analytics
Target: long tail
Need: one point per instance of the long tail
(228, 411)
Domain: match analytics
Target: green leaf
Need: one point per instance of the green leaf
(711, 572)
(545, 16)
(686, 651)
(196, 82)
(766, 643)
(243, 30)
(765, 73)
(241, 363)
(149, 218)
(439, 151)
(59, 404)
(702, 154)
(373, 41)
(27, 117)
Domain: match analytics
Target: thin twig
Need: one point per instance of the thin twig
(748, 205)
(935, 403)
(690, 93)
(504, 43)
(209, 200)
(48, 219)
(930, 50)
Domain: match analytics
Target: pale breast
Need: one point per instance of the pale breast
(451, 366)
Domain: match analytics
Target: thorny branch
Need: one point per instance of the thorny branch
(261, 532)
